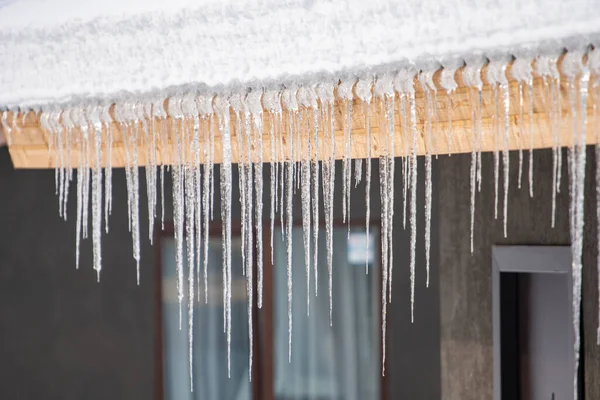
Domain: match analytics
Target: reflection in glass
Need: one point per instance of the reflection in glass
(210, 345)
(339, 362)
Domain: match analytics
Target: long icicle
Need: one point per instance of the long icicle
(305, 177)
(205, 110)
(222, 109)
(404, 83)
(363, 91)
(578, 78)
(472, 79)
(594, 65)
(290, 102)
(326, 97)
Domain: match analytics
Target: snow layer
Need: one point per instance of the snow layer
(61, 50)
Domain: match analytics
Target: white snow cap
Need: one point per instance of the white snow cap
(204, 102)
(325, 92)
(344, 90)
(496, 70)
(272, 101)
(404, 82)
(448, 74)
(288, 98)
(472, 71)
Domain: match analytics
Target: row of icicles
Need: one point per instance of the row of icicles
(301, 125)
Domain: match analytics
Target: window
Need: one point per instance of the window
(335, 362)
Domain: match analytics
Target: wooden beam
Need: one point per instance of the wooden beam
(29, 146)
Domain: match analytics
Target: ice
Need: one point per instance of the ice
(290, 102)
(578, 90)
(190, 205)
(358, 167)
(345, 93)
(107, 125)
(448, 82)
(405, 158)
(413, 203)
(472, 78)
(272, 103)
(93, 116)
(306, 220)
(403, 83)
(363, 89)
(505, 155)
(367, 112)
(426, 80)
(521, 132)
(135, 209)
(383, 189)
(315, 188)
(254, 105)
(222, 110)
(178, 193)
(326, 97)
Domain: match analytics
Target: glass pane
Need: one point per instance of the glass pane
(335, 362)
(210, 344)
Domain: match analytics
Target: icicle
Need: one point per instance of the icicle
(496, 75)
(472, 78)
(522, 72)
(204, 104)
(272, 102)
(403, 83)
(545, 66)
(405, 152)
(426, 80)
(270, 96)
(363, 91)
(594, 66)
(358, 162)
(78, 119)
(448, 82)
(573, 68)
(175, 112)
(305, 103)
(326, 96)
(67, 124)
(136, 116)
(345, 94)
(190, 241)
(192, 220)
(291, 104)
(222, 109)
(7, 132)
(315, 179)
(106, 121)
(93, 116)
(145, 111)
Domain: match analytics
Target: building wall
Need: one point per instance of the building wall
(465, 278)
(65, 336)
(62, 334)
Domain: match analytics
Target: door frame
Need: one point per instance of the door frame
(523, 259)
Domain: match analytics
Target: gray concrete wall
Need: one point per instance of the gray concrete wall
(64, 336)
(465, 278)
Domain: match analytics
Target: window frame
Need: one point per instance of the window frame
(263, 373)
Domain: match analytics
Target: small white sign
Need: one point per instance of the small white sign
(358, 253)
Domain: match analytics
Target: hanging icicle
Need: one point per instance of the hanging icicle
(578, 76)
(404, 84)
(496, 76)
(472, 78)
(448, 82)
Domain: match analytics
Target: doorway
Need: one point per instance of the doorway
(532, 323)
